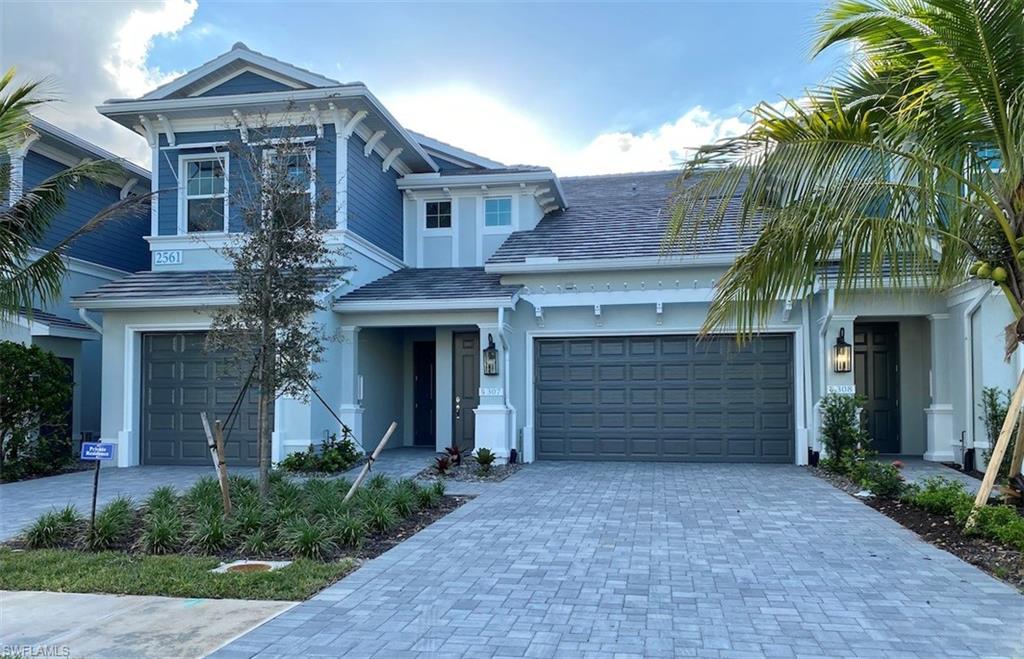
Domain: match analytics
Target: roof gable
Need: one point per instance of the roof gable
(237, 62)
(245, 81)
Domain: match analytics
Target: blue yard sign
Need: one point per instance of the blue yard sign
(97, 451)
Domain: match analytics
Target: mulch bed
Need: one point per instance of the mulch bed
(373, 545)
(997, 560)
(1003, 563)
(77, 465)
(469, 472)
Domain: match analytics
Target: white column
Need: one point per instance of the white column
(493, 416)
(939, 414)
(351, 408)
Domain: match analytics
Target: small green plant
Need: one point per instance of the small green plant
(256, 542)
(334, 456)
(994, 404)
(247, 519)
(485, 457)
(287, 495)
(427, 497)
(403, 501)
(1001, 523)
(439, 488)
(162, 498)
(309, 539)
(349, 530)
(881, 479)
(52, 528)
(379, 515)
(203, 496)
(942, 496)
(112, 525)
(162, 531)
(842, 430)
(378, 482)
(209, 532)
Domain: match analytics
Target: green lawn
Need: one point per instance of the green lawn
(60, 570)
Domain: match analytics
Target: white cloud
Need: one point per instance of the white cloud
(491, 126)
(127, 63)
(89, 52)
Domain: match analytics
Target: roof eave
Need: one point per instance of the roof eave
(100, 303)
(611, 263)
(410, 304)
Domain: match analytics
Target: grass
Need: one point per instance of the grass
(58, 570)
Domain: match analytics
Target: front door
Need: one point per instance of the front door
(876, 371)
(424, 376)
(466, 385)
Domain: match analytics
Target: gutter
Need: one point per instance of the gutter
(83, 313)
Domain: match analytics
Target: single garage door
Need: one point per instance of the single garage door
(664, 398)
(180, 380)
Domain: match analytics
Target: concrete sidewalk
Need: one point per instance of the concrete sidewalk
(79, 625)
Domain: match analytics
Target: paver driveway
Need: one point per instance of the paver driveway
(607, 559)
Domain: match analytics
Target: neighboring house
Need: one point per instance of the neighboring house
(113, 251)
(504, 307)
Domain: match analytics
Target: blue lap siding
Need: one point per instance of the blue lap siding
(246, 83)
(239, 159)
(374, 200)
(117, 244)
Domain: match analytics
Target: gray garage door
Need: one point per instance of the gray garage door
(664, 398)
(180, 380)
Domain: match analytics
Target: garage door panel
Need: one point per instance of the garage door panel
(181, 380)
(664, 398)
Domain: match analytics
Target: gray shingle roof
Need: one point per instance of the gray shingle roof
(179, 284)
(53, 320)
(511, 169)
(617, 216)
(433, 284)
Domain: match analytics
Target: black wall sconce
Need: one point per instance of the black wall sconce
(842, 354)
(490, 357)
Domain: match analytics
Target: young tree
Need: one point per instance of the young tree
(281, 262)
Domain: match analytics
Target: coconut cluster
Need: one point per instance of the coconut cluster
(997, 273)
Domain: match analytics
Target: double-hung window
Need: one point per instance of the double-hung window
(206, 193)
(290, 174)
(498, 212)
(439, 215)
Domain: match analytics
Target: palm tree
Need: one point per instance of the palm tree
(907, 167)
(26, 281)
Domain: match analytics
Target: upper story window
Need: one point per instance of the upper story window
(291, 174)
(439, 215)
(205, 203)
(498, 212)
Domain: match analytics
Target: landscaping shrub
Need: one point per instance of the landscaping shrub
(204, 496)
(349, 530)
(881, 479)
(162, 531)
(325, 500)
(442, 464)
(842, 431)
(994, 404)
(438, 487)
(35, 395)
(209, 531)
(334, 456)
(403, 500)
(942, 496)
(52, 528)
(377, 482)
(427, 497)
(163, 498)
(307, 538)
(255, 542)
(378, 514)
(1001, 523)
(454, 454)
(247, 519)
(485, 457)
(113, 523)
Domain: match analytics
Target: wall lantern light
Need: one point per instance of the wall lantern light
(490, 357)
(842, 357)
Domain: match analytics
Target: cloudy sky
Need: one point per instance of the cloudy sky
(584, 88)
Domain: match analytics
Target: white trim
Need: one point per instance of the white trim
(260, 71)
(553, 264)
(183, 159)
(372, 142)
(620, 298)
(195, 145)
(368, 249)
(341, 170)
(968, 362)
(436, 180)
(799, 434)
(390, 158)
(157, 302)
(454, 304)
(168, 128)
(353, 123)
(38, 327)
(48, 129)
(243, 128)
(236, 54)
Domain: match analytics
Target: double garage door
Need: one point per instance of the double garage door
(664, 398)
(179, 381)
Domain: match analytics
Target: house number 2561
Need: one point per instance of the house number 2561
(167, 257)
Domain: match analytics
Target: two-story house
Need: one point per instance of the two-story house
(503, 306)
(107, 254)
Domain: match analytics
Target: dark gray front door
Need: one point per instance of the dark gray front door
(664, 398)
(466, 388)
(876, 371)
(180, 380)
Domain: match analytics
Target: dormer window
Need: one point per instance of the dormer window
(205, 203)
(439, 215)
(498, 212)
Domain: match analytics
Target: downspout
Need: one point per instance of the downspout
(84, 315)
